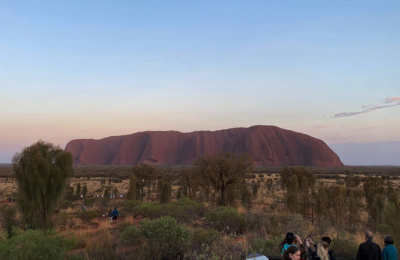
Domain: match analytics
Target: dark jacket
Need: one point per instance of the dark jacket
(369, 251)
(314, 256)
(389, 252)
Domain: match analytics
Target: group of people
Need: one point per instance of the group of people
(113, 215)
(293, 248)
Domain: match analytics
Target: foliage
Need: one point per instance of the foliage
(222, 170)
(8, 214)
(144, 174)
(131, 235)
(390, 222)
(202, 236)
(225, 248)
(184, 210)
(150, 210)
(164, 238)
(35, 244)
(87, 215)
(41, 171)
(344, 247)
(226, 219)
(101, 246)
(256, 221)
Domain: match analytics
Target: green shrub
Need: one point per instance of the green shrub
(131, 235)
(226, 219)
(162, 238)
(344, 247)
(129, 206)
(184, 210)
(201, 236)
(150, 210)
(271, 246)
(87, 215)
(35, 244)
(165, 238)
(256, 221)
(9, 213)
(259, 245)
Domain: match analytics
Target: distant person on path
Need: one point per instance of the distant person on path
(290, 241)
(369, 250)
(320, 251)
(292, 253)
(115, 215)
(110, 216)
(389, 251)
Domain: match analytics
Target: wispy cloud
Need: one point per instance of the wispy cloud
(387, 102)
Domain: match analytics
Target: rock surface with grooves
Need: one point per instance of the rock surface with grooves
(267, 145)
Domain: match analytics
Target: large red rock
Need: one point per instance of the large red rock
(267, 145)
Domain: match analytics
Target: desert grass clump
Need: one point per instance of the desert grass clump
(101, 246)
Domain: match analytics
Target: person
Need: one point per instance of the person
(389, 251)
(369, 250)
(292, 253)
(289, 241)
(115, 215)
(320, 251)
(110, 216)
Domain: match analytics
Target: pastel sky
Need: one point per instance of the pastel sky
(92, 69)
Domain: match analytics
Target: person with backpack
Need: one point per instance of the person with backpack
(115, 215)
(290, 241)
(320, 251)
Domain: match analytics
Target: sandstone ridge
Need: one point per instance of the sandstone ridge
(267, 145)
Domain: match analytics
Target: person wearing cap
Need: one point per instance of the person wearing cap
(369, 250)
(320, 251)
(389, 251)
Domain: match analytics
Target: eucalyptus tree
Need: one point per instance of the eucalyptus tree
(144, 174)
(41, 171)
(222, 171)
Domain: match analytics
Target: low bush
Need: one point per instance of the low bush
(226, 219)
(35, 244)
(101, 246)
(201, 236)
(87, 215)
(162, 238)
(150, 210)
(184, 210)
(344, 247)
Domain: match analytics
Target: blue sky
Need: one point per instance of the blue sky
(92, 69)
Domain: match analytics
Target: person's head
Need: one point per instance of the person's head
(110, 210)
(326, 241)
(388, 240)
(368, 235)
(115, 208)
(289, 238)
(292, 253)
